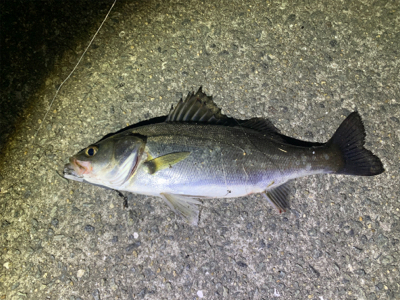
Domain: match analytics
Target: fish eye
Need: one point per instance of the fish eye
(91, 151)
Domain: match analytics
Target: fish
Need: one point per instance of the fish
(197, 153)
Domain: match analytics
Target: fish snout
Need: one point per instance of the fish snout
(80, 166)
(76, 168)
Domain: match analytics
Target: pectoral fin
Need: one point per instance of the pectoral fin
(184, 206)
(278, 197)
(165, 161)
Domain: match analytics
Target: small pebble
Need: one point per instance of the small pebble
(130, 247)
(54, 222)
(89, 228)
(80, 273)
(96, 294)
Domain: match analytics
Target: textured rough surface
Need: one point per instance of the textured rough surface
(303, 65)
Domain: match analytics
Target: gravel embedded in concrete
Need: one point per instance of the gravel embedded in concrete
(304, 66)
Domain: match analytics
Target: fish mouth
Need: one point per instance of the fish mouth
(69, 173)
(74, 170)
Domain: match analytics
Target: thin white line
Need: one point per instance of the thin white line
(247, 179)
(223, 171)
(73, 70)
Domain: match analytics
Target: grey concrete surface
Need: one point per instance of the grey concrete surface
(305, 65)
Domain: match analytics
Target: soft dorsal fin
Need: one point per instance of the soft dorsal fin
(264, 126)
(198, 108)
(261, 125)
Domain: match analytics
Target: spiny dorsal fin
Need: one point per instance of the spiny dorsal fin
(198, 108)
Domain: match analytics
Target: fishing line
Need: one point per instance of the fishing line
(5, 190)
(73, 70)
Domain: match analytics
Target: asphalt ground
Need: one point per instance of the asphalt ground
(305, 65)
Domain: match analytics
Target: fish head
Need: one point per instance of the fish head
(110, 162)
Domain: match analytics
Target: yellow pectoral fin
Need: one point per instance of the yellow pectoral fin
(165, 161)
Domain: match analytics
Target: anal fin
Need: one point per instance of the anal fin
(278, 197)
(184, 206)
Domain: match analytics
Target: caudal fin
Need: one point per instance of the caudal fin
(350, 138)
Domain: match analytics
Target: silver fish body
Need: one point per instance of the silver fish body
(223, 161)
(200, 153)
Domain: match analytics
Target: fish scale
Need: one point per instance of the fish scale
(241, 156)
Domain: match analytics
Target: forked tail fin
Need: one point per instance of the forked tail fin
(350, 138)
